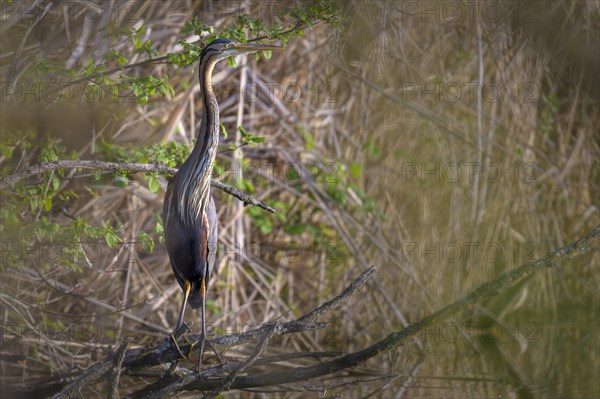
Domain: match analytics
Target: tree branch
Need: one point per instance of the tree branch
(122, 167)
(340, 299)
(226, 386)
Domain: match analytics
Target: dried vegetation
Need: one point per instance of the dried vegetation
(445, 146)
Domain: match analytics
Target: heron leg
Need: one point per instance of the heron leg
(204, 338)
(203, 302)
(178, 329)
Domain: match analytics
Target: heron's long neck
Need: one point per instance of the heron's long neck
(198, 167)
(205, 150)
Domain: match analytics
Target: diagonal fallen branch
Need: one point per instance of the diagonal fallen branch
(162, 355)
(122, 167)
(399, 338)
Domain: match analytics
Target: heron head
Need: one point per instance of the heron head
(224, 48)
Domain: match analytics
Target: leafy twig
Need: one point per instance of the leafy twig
(123, 167)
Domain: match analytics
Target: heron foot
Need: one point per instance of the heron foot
(175, 335)
(203, 341)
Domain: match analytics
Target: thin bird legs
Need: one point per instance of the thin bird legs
(178, 330)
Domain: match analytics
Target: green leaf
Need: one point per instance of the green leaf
(246, 185)
(33, 202)
(153, 184)
(55, 183)
(295, 229)
(373, 149)
(212, 307)
(147, 241)
(137, 42)
(111, 239)
(48, 204)
(309, 141)
(355, 169)
(8, 151)
(159, 229)
(224, 131)
(266, 227)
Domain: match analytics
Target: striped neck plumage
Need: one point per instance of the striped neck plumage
(196, 171)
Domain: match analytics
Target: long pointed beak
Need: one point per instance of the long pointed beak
(256, 47)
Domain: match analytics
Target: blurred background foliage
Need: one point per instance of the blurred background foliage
(445, 142)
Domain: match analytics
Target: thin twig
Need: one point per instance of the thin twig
(245, 364)
(340, 299)
(117, 370)
(480, 78)
(12, 69)
(158, 390)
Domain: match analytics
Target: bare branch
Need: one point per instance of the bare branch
(226, 386)
(12, 76)
(340, 299)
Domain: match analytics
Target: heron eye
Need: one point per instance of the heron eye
(228, 45)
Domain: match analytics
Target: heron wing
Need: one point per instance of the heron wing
(205, 251)
(179, 240)
(192, 248)
(211, 215)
